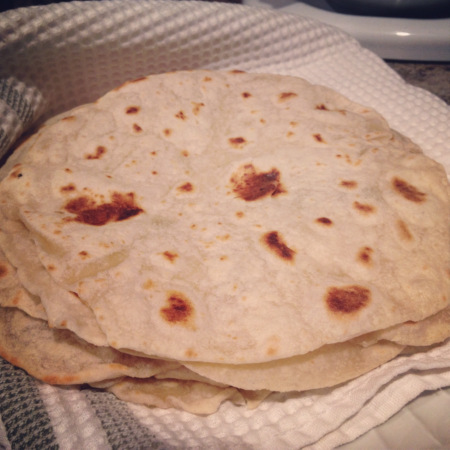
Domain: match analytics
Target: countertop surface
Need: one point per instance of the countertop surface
(434, 77)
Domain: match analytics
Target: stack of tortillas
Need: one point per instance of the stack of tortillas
(194, 237)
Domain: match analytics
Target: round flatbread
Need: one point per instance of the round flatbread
(227, 217)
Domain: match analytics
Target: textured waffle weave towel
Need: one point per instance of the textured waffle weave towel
(66, 54)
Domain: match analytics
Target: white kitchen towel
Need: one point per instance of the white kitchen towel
(71, 53)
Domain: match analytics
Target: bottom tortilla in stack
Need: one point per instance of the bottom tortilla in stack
(196, 237)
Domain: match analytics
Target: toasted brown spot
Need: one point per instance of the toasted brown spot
(137, 128)
(286, 95)
(404, 231)
(364, 208)
(408, 191)
(3, 271)
(167, 132)
(137, 80)
(349, 184)
(63, 323)
(17, 172)
(178, 309)
(251, 185)
(186, 187)
(239, 214)
(324, 221)
(99, 152)
(223, 258)
(347, 299)
(84, 254)
(67, 170)
(246, 94)
(365, 255)
(275, 243)
(185, 153)
(68, 118)
(51, 267)
(236, 71)
(189, 353)
(68, 188)
(322, 107)
(271, 351)
(197, 107)
(87, 211)
(237, 142)
(206, 79)
(132, 110)
(149, 284)
(180, 115)
(318, 137)
(171, 256)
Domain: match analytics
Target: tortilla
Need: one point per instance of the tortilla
(250, 230)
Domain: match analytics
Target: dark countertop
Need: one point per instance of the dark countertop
(432, 76)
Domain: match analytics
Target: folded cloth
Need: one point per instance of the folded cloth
(19, 108)
(71, 53)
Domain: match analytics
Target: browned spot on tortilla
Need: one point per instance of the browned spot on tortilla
(99, 152)
(167, 132)
(286, 96)
(318, 137)
(17, 171)
(190, 353)
(290, 134)
(87, 211)
(149, 284)
(349, 184)
(207, 79)
(223, 258)
(63, 324)
(365, 255)
(132, 110)
(171, 256)
(364, 208)
(322, 107)
(271, 351)
(251, 185)
(137, 128)
(404, 231)
(408, 191)
(236, 71)
(84, 254)
(178, 310)
(186, 187)
(3, 270)
(181, 115)
(246, 94)
(185, 153)
(239, 214)
(347, 299)
(68, 188)
(68, 118)
(197, 107)
(324, 221)
(51, 267)
(237, 142)
(61, 379)
(137, 80)
(275, 243)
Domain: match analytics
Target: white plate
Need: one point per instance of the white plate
(390, 38)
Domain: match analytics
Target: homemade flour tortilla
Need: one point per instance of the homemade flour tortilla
(231, 232)
(229, 218)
